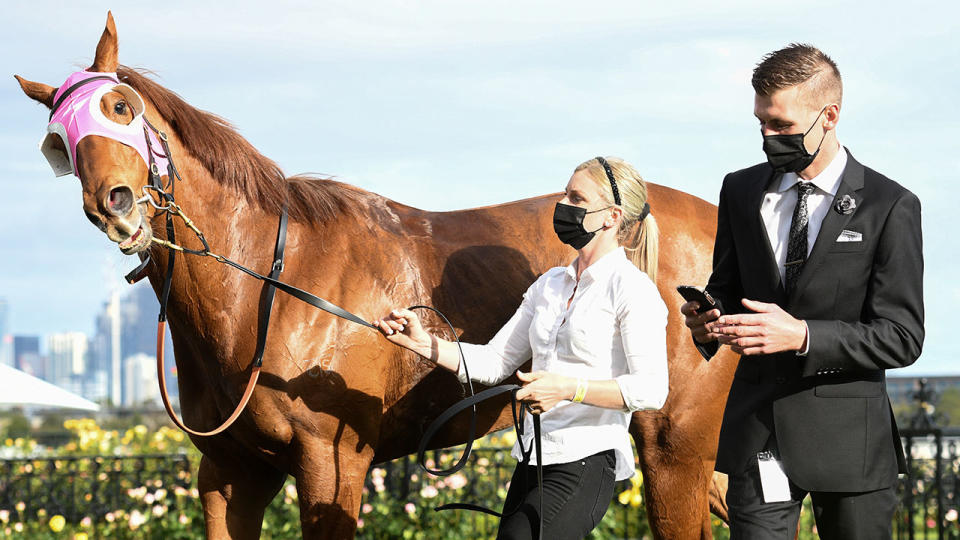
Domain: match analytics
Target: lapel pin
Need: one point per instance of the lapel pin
(846, 205)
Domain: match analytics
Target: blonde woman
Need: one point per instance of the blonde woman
(596, 331)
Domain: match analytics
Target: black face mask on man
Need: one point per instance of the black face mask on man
(568, 224)
(786, 153)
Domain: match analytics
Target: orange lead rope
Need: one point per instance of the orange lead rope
(251, 384)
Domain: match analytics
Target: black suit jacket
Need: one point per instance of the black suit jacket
(863, 303)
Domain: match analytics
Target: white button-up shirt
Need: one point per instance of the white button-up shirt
(614, 328)
(779, 202)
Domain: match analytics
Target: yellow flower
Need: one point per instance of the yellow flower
(57, 522)
(81, 536)
(624, 497)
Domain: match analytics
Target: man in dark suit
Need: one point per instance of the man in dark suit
(817, 270)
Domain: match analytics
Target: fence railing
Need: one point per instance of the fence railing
(75, 487)
(930, 493)
(93, 486)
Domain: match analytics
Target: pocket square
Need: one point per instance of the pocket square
(850, 236)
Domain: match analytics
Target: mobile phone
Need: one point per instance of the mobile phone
(698, 295)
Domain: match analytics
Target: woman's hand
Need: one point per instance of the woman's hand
(402, 327)
(543, 390)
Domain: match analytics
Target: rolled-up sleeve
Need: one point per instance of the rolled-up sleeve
(508, 350)
(642, 317)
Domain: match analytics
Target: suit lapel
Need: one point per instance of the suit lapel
(761, 241)
(833, 223)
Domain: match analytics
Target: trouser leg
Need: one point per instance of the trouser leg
(855, 516)
(753, 519)
(575, 498)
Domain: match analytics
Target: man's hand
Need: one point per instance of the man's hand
(768, 330)
(543, 390)
(698, 323)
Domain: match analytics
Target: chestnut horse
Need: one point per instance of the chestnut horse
(334, 397)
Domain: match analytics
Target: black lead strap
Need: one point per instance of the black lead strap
(273, 284)
(471, 403)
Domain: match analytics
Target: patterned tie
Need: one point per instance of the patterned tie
(797, 245)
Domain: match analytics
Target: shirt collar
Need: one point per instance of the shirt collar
(601, 268)
(828, 180)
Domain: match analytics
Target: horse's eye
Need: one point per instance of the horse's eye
(120, 108)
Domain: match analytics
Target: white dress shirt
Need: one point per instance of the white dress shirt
(615, 328)
(781, 199)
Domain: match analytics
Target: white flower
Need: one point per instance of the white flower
(137, 519)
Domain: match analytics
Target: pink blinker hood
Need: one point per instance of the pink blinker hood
(76, 114)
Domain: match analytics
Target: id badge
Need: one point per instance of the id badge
(773, 481)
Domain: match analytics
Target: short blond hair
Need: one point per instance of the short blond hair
(638, 237)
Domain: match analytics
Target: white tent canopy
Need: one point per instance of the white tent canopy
(21, 389)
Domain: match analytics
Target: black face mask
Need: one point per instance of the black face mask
(786, 153)
(568, 224)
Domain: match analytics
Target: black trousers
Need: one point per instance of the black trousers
(575, 498)
(839, 515)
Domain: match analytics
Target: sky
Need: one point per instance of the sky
(449, 105)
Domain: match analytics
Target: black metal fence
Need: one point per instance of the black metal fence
(929, 492)
(93, 486)
(75, 487)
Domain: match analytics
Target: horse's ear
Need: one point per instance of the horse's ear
(37, 91)
(105, 60)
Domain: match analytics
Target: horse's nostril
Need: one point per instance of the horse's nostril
(120, 201)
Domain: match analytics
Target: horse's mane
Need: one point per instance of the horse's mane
(234, 162)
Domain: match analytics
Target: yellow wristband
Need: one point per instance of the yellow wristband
(581, 391)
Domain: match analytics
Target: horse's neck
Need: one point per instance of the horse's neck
(233, 228)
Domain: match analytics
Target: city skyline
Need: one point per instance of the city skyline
(115, 363)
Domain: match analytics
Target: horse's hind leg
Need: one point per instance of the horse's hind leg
(676, 479)
(235, 496)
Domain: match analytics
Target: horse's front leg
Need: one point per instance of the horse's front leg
(330, 487)
(234, 496)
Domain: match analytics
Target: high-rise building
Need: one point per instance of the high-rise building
(26, 355)
(67, 360)
(6, 340)
(126, 326)
(140, 381)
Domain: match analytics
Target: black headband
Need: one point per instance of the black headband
(616, 192)
(613, 183)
